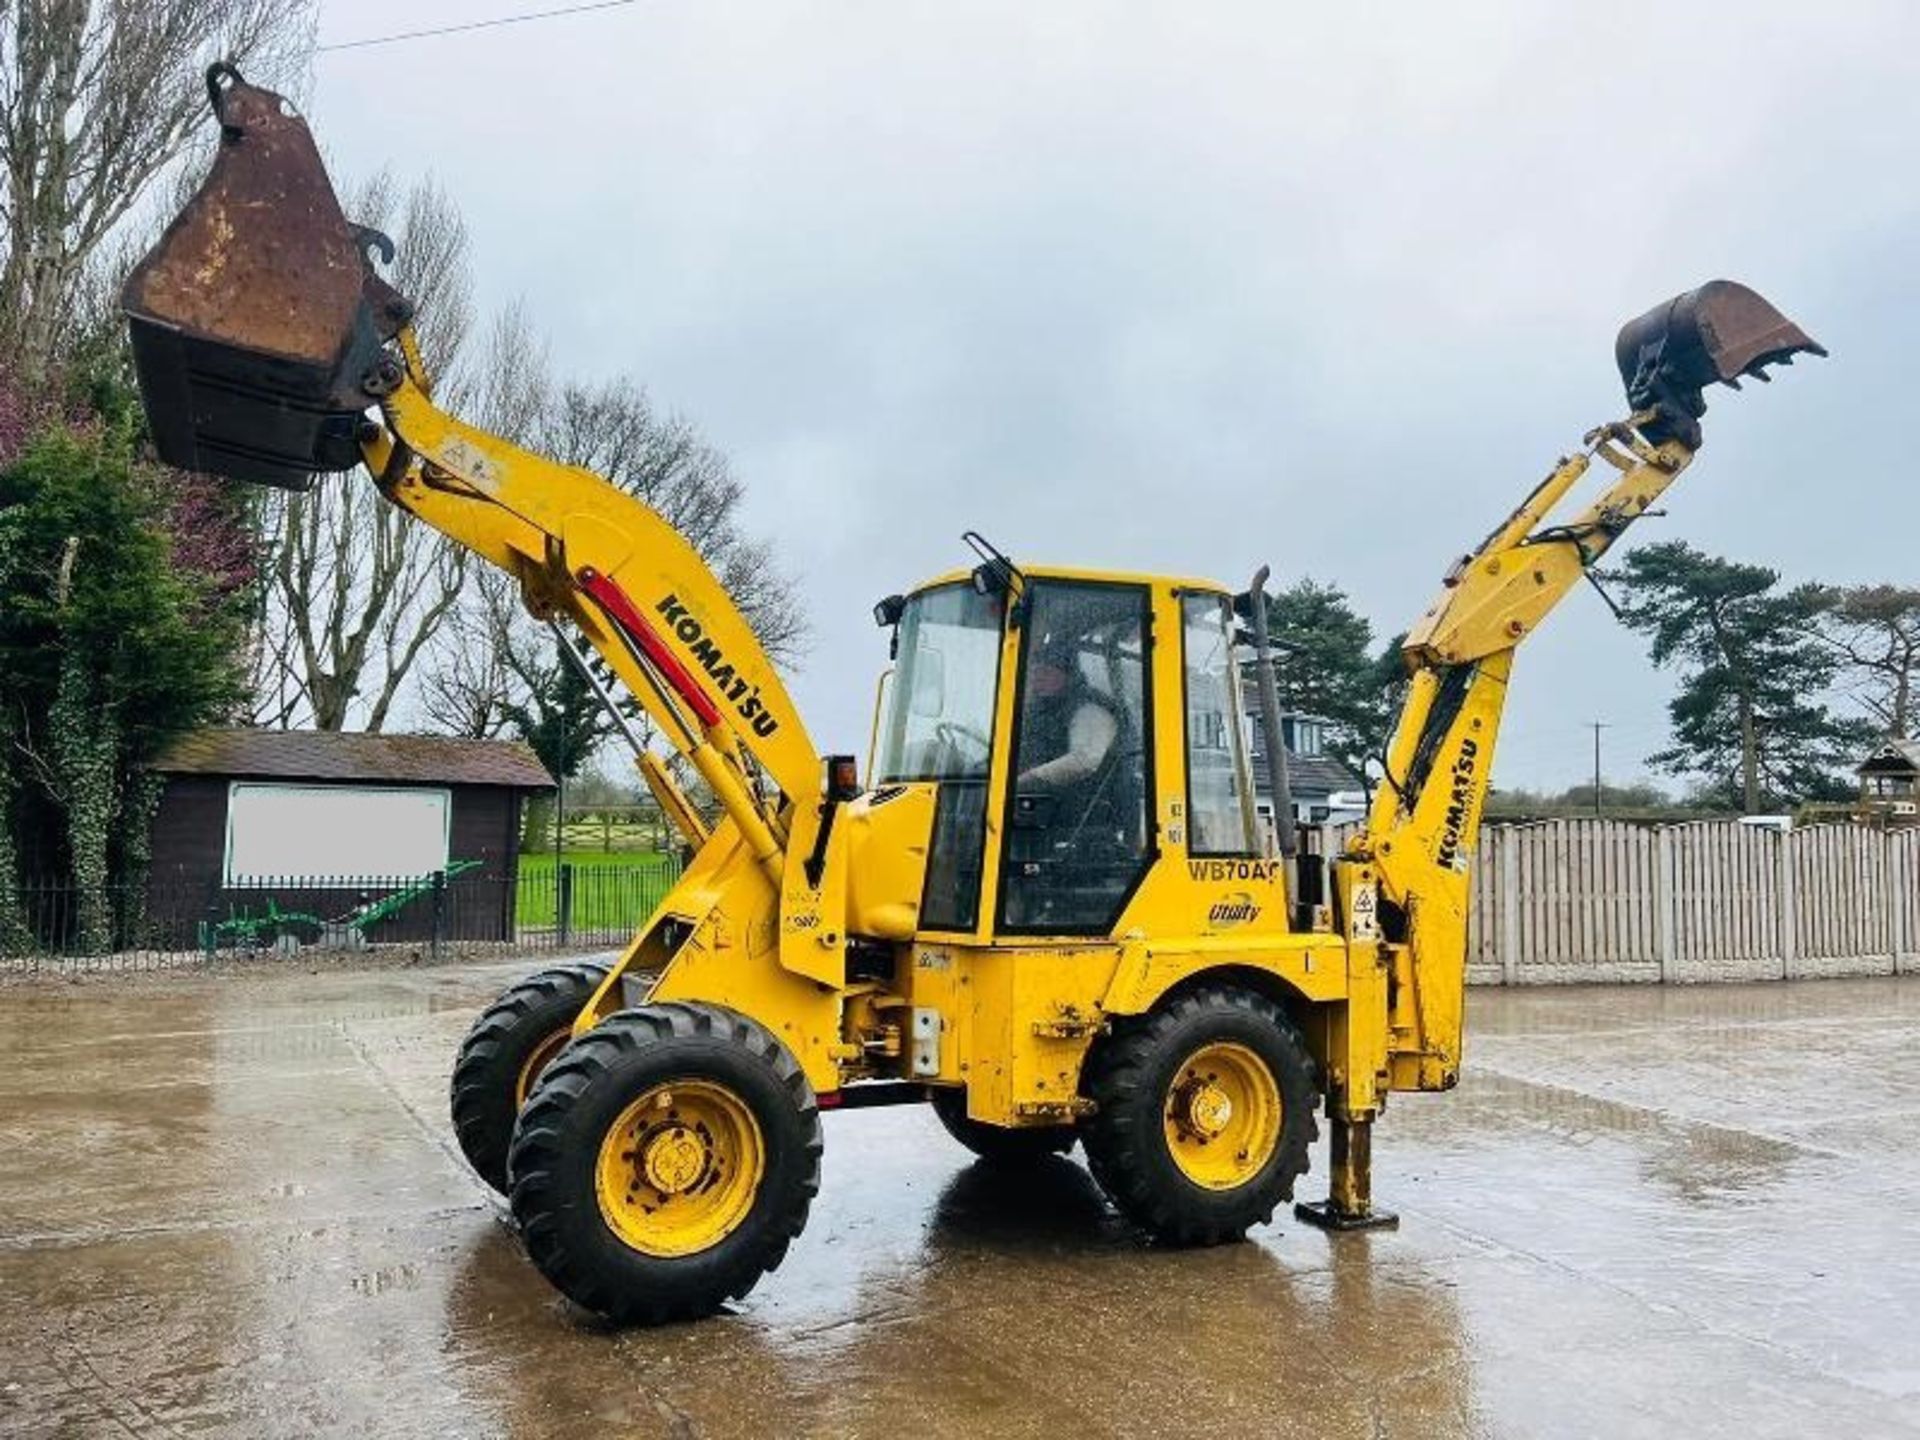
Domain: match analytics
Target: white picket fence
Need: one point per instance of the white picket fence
(1599, 900)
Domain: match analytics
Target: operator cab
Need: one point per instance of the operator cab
(1068, 754)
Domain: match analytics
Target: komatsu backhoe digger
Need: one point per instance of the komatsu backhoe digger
(1050, 910)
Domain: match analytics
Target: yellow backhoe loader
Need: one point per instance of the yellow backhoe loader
(1050, 910)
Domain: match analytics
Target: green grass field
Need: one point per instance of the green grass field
(612, 893)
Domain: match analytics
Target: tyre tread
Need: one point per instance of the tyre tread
(1117, 1079)
(482, 1129)
(539, 1191)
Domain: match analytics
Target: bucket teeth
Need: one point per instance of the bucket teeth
(1716, 334)
(255, 317)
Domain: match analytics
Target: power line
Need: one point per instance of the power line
(520, 19)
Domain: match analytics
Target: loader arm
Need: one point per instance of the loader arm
(584, 550)
(266, 343)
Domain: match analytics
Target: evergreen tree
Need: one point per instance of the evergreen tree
(108, 651)
(1324, 665)
(1748, 717)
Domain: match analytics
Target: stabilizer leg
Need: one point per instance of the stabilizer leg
(1349, 1202)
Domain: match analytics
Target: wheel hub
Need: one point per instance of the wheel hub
(674, 1160)
(1207, 1110)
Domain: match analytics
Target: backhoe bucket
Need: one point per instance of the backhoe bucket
(1717, 333)
(257, 317)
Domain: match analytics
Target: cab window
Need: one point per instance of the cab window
(938, 725)
(1220, 819)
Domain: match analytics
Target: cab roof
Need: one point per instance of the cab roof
(1080, 572)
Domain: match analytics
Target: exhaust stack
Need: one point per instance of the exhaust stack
(1715, 334)
(257, 319)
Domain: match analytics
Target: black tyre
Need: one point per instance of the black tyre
(503, 1055)
(1205, 1112)
(664, 1162)
(997, 1143)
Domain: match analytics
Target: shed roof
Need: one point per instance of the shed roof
(338, 755)
(1899, 757)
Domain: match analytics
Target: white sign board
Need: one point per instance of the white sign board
(321, 832)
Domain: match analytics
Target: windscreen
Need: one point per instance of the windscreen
(939, 708)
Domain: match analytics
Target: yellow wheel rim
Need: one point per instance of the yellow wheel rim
(537, 1060)
(679, 1169)
(1223, 1116)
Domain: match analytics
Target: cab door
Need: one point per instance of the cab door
(1079, 835)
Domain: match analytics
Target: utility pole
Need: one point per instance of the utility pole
(1598, 726)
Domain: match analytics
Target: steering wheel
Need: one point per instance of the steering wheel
(951, 732)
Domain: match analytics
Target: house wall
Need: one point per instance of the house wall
(185, 885)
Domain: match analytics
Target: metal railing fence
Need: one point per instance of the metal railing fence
(170, 921)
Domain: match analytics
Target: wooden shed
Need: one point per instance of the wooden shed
(322, 823)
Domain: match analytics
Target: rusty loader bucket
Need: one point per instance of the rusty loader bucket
(1715, 334)
(258, 316)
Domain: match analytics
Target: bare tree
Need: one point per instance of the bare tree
(356, 591)
(97, 99)
(470, 682)
(612, 429)
(1874, 631)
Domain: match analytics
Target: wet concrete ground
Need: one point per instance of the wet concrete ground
(231, 1206)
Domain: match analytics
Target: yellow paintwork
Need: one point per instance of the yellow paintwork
(752, 926)
(1222, 1116)
(679, 1168)
(888, 834)
(673, 800)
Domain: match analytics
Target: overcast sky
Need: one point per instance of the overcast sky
(1193, 287)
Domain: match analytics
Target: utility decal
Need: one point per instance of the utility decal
(1459, 801)
(742, 693)
(1233, 869)
(1236, 909)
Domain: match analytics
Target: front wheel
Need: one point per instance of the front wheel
(1204, 1115)
(503, 1055)
(664, 1162)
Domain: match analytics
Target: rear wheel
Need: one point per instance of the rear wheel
(997, 1143)
(503, 1055)
(1204, 1115)
(665, 1161)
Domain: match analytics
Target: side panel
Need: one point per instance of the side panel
(1029, 1018)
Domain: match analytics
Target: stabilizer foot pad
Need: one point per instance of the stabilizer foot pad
(1322, 1215)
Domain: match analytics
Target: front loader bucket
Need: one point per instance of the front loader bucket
(1715, 334)
(257, 316)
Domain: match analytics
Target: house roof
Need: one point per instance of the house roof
(1901, 757)
(1309, 775)
(337, 755)
(1320, 775)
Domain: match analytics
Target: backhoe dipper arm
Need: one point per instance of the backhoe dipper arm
(1418, 843)
(1425, 819)
(1401, 888)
